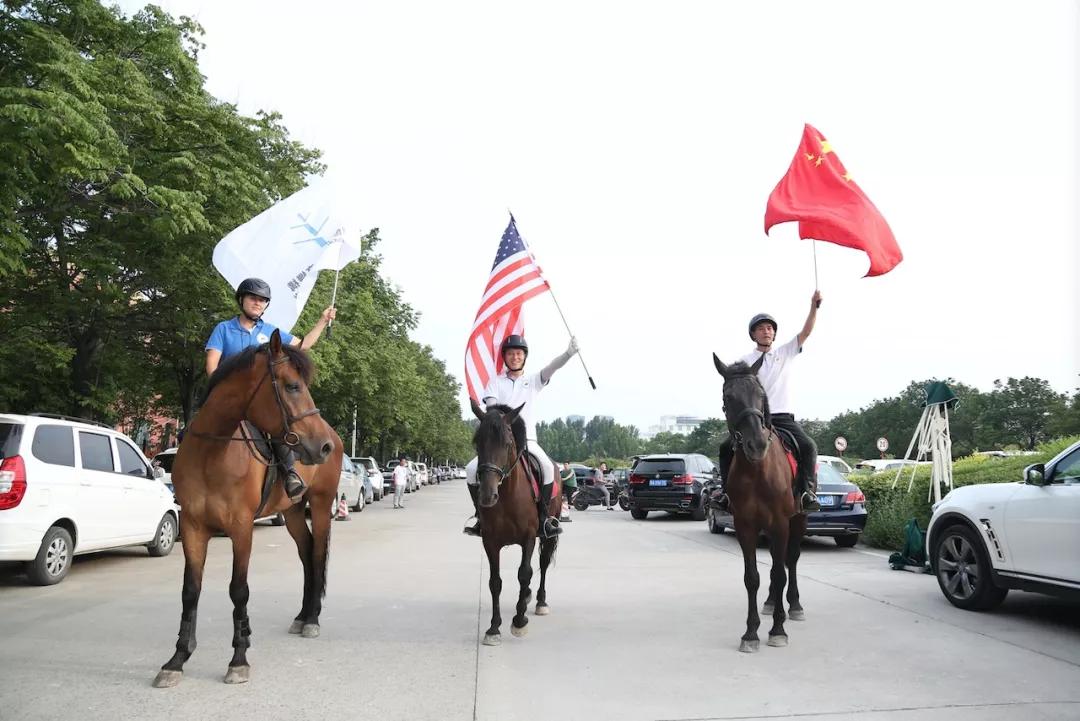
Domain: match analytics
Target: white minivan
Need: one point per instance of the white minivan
(70, 486)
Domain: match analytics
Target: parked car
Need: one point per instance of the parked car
(459, 472)
(69, 486)
(836, 462)
(670, 482)
(988, 538)
(374, 476)
(351, 484)
(422, 475)
(842, 515)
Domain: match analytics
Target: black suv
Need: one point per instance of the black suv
(670, 482)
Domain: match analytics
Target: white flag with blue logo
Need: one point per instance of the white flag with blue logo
(288, 244)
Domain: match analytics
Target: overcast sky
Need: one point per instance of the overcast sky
(637, 143)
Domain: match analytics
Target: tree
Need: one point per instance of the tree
(1024, 409)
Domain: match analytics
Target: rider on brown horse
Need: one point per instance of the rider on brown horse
(514, 388)
(774, 376)
(248, 329)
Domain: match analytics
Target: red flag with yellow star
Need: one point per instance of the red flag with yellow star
(818, 192)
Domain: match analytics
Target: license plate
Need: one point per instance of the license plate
(657, 482)
(827, 500)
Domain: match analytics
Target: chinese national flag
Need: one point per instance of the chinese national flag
(818, 192)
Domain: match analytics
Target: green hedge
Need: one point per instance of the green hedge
(890, 508)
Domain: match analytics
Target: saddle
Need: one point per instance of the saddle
(535, 474)
(261, 448)
(791, 448)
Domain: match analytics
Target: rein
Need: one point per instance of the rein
(289, 437)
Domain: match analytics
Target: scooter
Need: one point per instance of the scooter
(591, 495)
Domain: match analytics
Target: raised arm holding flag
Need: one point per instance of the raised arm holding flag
(288, 244)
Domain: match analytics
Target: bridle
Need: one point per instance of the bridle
(289, 437)
(750, 412)
(503, 472)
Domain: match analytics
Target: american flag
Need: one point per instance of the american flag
(515, 278)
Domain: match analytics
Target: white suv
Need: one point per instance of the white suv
(986, 539)
(69, 486)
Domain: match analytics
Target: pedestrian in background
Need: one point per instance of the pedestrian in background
(569, 487)
(401, 479)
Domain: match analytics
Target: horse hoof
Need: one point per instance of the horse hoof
(238, 674)
(492, 639)
(543, 610)
(750, 646)
(778, 641)
(310, 630)
(167, 679)
(519, 632)
(767, 609)
(797, 614)
(296, 627)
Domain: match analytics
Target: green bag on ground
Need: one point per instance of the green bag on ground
(913, 557)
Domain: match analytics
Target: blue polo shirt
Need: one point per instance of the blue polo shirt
(231, 338)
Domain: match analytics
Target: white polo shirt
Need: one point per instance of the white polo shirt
(515, 391)
(775, 373)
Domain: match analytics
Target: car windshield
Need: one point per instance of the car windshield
(829, 476)
(651, 466)
(10, 433)
(165, 460)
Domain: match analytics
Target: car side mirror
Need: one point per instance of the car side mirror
(1035, 475)
(159, 472)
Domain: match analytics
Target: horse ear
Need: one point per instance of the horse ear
(275, 342)
(514, 415)
(720, 367)
(757, 364)
(476, 408)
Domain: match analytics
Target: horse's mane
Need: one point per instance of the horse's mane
(299, 359)
(492, 426)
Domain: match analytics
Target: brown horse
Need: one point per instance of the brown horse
(760, 488)
(508, 513)
(218, 482)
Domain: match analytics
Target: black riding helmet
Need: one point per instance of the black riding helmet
(252, 286)
(762, 318)
(515, 341)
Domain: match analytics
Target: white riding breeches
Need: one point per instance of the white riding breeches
(546, 466)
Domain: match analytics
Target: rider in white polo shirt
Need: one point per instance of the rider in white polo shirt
(513, 388)
(775, 377)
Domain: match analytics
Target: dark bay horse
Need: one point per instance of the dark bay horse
(218, 483)
(760, 488)
(508, 514)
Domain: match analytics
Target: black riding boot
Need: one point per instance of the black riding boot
(290, 480)
(722, 502)
(473, 529)
(549, 525)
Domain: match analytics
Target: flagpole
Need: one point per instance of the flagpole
(815, 271)
(580, 357)
(333, 302)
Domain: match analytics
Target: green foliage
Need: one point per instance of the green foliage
(890, 508)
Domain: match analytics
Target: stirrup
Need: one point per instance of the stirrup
(550, 527)
(808, 502)
(722, 503)
(294, 486)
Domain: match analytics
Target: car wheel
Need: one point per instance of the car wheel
(714, 525)
(53, 560)
(359, 505)
(698, 513)
(165, 538)
(847, 541)
(639, 514)
(278, 520)
(963, 570)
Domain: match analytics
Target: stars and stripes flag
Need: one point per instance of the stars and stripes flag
(515, 278)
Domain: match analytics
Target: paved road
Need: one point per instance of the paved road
(645, 623)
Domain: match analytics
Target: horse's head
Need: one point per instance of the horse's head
(280, 403)
(746, 407)
(498, 440)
